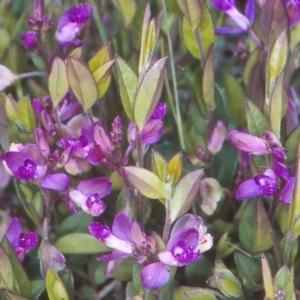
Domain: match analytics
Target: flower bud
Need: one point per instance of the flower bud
(30, 40)
(217, 137)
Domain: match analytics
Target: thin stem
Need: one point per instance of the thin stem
(99, 24)
(31, 74)
(175, 88)
(139, 149)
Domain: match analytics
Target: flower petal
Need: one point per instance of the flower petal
(100, 186)
(247, 190)
(57, 182)
(155, 275)
(122, 227)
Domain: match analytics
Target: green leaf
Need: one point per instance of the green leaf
(251, 62)
(256, 121)
(9, 295)
(192, 11)
(21, 281)
(276, 114)
(267, 278)
(291, 145)
(82, 83)
(236, 100)
(284, 281)
(128, 85)
(80, 243)
(55, 287)
(159, 166)
(38, 286)
(148, 93)
(208, 79)
(278, 55)
(11, 108)
(146, 182)
(255, 228)
(127, 9)
(228, 284)
(6, 271)
(248, 269)
(193, 294)
(66, 277)
(26, 114)
(184, 194)
(58, 81)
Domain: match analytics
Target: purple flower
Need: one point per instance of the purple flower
(89, 193)
(126, 238)
(30, 40)
(286, 194)
(263, 184)
(248, 143)
(188, 239)
(293, 10)
(102, 139)
(217, 137)
(159, 112)
(21, 242)
(243, 21)
(71, 23)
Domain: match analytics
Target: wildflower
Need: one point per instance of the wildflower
(20, 242)
(248, 143)
(243, 21)
(286, 193)
(188, 240)
(89, 193)
(71, 23)
(30, 40)
(263, 184)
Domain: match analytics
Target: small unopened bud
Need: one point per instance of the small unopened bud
(217, 137)
(102, 139)
(30, 40)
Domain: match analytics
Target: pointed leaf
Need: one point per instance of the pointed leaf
(148, 93)
(291, 145)
(80, 243)
(208, 79)
(159, 166)
(175, 167)
(103, 71)
(6, 271)
(255, 228)
(102, 56)
(278, 55)
(82, 83)
(127, 9)
(236, 99)
(284, 281)
(11, 108)
(12, 296)
(26, 114)
(184, 194)
(76, 53)
(192, 11)
(55, 287)
(267, 277)
(128, 85)
(146, 182)
(58, 81)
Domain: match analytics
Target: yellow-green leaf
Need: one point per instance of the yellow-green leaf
(102, 56)
(82, 83)
(267, 278)
(192, 11)
(26, 114)
(146, 182)
(128, 85)
(278, 55)
(6, 271)
(58, 81)
(55, 287)
(208, 79)
(185, 192)
(175, 167)
(127, 9)
(11, 108)
(76, 53)
(148, 93)
(188, 293)
(159, 166)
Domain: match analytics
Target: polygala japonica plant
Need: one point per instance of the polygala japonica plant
(149, 149)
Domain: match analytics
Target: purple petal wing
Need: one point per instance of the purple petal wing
(152, 131)
(100, 186)
(225, 30)
(286, 194)
(122, 227)
(13, 231)
(57, 182)
(113, 256)
(14, 160)
(190, 236)
(247, 190)
(155, 275)
(250, 10)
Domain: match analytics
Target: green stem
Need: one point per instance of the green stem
(99, 24)
(200, 46)
(175, 88)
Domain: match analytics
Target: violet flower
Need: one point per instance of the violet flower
(248, 143)
(126, 238)
(71, 23)
(293, 10)
(89, 193)
(7, 77)
(188, 240)
(286, 193)
(243, 21)
(30, 40)
(20, 242)
(261, 185)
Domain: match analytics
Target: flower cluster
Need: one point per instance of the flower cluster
(188, 240)
(268, 183)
